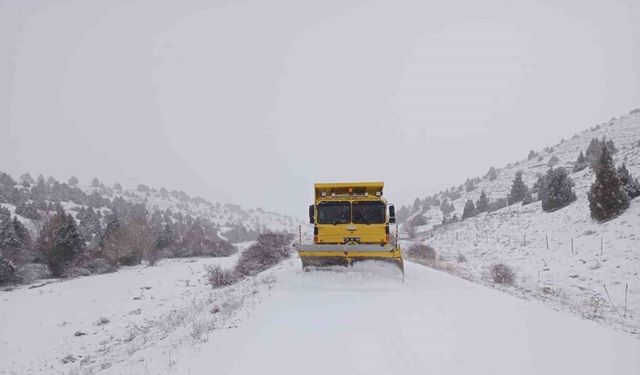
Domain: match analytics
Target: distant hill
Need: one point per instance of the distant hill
(51, 228)
(230, 221)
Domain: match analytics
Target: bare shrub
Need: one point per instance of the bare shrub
(422, 253)
(461, 258)
(219, 277)
(200, 330)
(502, 274)
(218, 248)
(102, 321)
(100, 266)
(448, 268)
(593, 307)
(127, 242)
(269, 250)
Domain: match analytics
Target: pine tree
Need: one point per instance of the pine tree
(492, 174)
(27, 210)
(113, 226)
(610, 146)
(469, 186)
(581, 163)
(607, 197)
(518, 189)
(8, 237)
(416, 204)
(447, 207)
(557, 190)
(156, 222)
(39, 191)
(630, 184)
(22, 233)
(73, 181)
(538, 186)
(528, 198)
(27, 178)
(60, 242)
(593, 150)
(553, 160)
(89, 225)
(7, 186)
(469, 210)
(482, 205)
(4, 213)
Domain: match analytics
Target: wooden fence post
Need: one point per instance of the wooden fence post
(571, 245)
(546, 237)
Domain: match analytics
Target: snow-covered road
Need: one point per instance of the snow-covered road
(166, 320)
(357, 322)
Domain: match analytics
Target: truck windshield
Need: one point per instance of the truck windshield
(334, 212)
(368, 212)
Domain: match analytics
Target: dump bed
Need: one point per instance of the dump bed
(348, 188)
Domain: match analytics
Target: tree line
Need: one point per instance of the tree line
(96, 237)
(608, 196)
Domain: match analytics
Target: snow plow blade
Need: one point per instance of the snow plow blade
(345, 255)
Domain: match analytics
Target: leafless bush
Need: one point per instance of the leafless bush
(269, 250)
(219, 277)
(102, 321)
(594, 307)
(200, 330)
(127, 242)
(448, 268)
(218, 248)
(461, 258)
(422, 253)
(502, 274)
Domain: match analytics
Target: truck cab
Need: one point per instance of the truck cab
(351, 213)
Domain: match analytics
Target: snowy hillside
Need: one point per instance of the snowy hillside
(364, 320)
(563, 257)
(52, 229)
(229, 219)
(226, 216)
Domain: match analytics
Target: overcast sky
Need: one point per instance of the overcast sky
(251, 102)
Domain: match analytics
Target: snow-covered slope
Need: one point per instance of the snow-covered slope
(564, 257)
(231, 221)
(343, 321)
(224, 215)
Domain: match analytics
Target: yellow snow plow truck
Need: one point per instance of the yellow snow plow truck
(350, 223)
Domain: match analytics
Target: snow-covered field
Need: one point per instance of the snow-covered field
(365, 320)
(94, 323)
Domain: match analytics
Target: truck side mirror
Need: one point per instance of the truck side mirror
(392, 214)
(312, 214)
